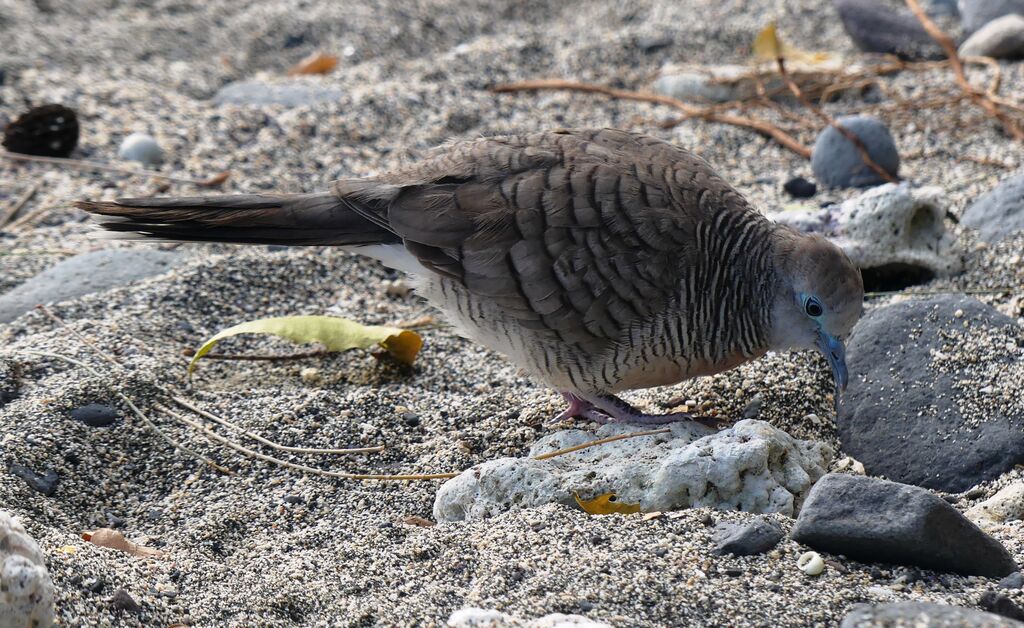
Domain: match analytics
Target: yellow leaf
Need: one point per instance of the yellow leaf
(337, 334)
(605, 505)
(768, 46)
(316, 63)
(68, 549)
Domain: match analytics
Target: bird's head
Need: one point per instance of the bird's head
(820, 298)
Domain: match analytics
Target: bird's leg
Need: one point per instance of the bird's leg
(621, 412)
(580, 407)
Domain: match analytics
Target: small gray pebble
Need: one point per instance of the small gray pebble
(141, 148)
(837, 163)
(1012, 581)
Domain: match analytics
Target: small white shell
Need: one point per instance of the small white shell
(811, 563)
(141, 148)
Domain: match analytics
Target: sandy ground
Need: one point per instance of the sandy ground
(269, 546)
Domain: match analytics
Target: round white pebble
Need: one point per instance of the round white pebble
(310, 375)
(811, 563)
(141, 148)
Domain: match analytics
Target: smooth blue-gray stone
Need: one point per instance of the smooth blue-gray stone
(999, 212)
(85, 274)
(976, 13)
(837, 163)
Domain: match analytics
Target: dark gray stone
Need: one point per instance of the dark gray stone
(85, 274)
(1000, 605)
(837, 163)
(922, 614)
(799, 187)
(977, 13)
(94, 414)
(45, 483)
(999, 212)
(875, 27)
(123, 601)
(1012, 581)
(756, 537)
(876, 520)
(904, 419)
(292, 94)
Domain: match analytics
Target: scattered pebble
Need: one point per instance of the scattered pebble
(977, 13)
(757, 537)
(836, 161)
(1002, 38)
(141, 148)
(310, 375)
(875, 27)
(799, 187)
(811, 563)
(95, 414)
(123, 601)
(45, 483)
(998, 213)
(1000, 605)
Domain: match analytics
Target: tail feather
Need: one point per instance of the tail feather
(293, 219)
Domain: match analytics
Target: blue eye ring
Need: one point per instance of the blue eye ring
(813, 307)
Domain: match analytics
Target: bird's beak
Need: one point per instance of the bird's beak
(834, 351)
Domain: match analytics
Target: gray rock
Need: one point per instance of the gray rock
(292, 94)
(488, 618)
(1012, 581)
(875, 27)
(751, 466)
(907, 614)
(875, 520)
(45, 483)
(692, 86)
(94, 414)
(895, 234)
(942, 8)
(85, 274)
(836, 162)
(1006, 505)
(977, 13)
(1002, 38)
(999, 604)
(999, 212)
(26, 590)
(756, 537)
(141, 148)
(907, 386)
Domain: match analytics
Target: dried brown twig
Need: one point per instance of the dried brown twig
(12, 211)
(979, 97)
(691, 111)
(862, 150)
(82, 164)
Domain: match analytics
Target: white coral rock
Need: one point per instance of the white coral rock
(26, 591)
(751, 466)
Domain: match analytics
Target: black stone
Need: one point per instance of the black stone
(875, 27)
(122, 600)
(48, 130)
(903, 419)
(93, 585)
(874, 520)
(411, 419)
(44, 483)
(1000, 605)
(922, 614)
(292, 499)
(756, 537)
(799, 187)
(95, 414)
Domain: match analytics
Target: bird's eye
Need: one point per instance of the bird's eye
(813, 307)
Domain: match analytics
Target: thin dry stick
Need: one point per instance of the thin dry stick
(16, 206)
(862, 150)
(188, 352)
(88, 343)
(256, 437)
(889, 293)
(569, 450)
(82, 164)
(704, 113)
(29, 217)
(135, 410)
(291, 465)
(979, 97)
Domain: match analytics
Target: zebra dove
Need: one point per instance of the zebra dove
(597, 260)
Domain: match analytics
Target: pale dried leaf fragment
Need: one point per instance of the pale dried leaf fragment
(606, 504)
(316, 63)
(109, 538)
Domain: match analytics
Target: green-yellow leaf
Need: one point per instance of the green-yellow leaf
(768, 46)
(606, 504)
(336, 334)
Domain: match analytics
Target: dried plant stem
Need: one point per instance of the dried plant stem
(601, 441)
(291, 465)
(862, 150)
(256, 437)
(135, 410)
(692, 111)
(188, 352)
(12, 211)
(980, 98)
(82, 164)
